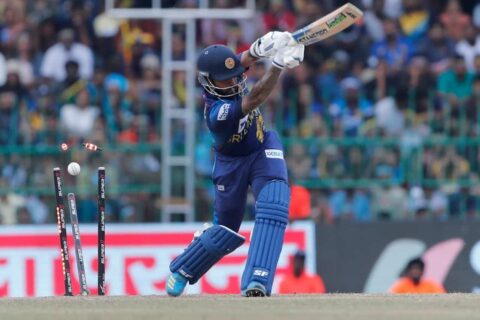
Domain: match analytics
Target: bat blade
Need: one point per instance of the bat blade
(329, 25)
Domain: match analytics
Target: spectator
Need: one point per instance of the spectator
(10, 203)
(278, 17)
(23, 216)
(384, 165)
(438, 204)
(389, 115)
(331, 74)
(355, 163)
(330, 164)
(9, 119)
(450, 166)
(414, 20)
(469, 47)
(454, 20)
(412, 281)
(298, 89)
(437, 48)
(463, 201)
(116, 109)
(24, 52)
(3, 69)
(64, 50)
(351, 110)
(72, 84)
(13, 25)
(13, 83)
(393, 49)
(350, 204)
(389, 203)
(299, 281)
(456, 84)
(373, 16)
(78, 119)
(299, 163)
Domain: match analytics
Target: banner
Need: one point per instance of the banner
(137, 258)
(357, 257)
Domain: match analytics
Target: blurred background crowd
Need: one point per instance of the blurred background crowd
(379, 122)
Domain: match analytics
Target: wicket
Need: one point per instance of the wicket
(60, 211)
(62, 231)
(78, 244)
(101, 231)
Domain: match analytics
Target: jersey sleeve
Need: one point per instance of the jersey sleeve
(225, 114)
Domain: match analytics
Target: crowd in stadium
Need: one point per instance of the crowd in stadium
(373, 120)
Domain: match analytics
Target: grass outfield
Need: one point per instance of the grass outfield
(300, 307)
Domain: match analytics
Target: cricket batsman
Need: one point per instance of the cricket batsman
(245, 155)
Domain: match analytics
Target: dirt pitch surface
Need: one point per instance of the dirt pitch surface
(212, 307)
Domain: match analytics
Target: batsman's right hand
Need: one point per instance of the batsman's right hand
(268, 45)
(289, 57)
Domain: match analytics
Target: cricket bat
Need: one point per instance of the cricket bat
(327, 26)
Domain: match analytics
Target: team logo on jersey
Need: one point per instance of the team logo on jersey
(229, 63)
(244, 124)
(223, 112)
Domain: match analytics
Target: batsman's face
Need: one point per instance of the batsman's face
(229, 86)
(225, 83)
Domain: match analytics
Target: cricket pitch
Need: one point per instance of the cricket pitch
(212, 307)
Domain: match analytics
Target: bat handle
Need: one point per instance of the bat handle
(293, 41)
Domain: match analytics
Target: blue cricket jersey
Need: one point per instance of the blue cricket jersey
(234, 133)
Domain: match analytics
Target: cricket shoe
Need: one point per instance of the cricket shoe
(255, 289)
(176, 283)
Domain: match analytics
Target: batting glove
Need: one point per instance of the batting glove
(289, 57)
(268, 45)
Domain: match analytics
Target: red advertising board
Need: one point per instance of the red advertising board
(137, 259)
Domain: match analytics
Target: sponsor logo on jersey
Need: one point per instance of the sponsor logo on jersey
(223, 112)
(274, 153)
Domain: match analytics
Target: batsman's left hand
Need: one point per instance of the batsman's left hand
(269, 44)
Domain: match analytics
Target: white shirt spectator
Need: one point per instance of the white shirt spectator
(374, 26)
(79, 119)
(38, 210)
(389, 117)
(438, 204)
(53, 64)
(3, 69)
(468, 52)
(9, 204)
(24, 69)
